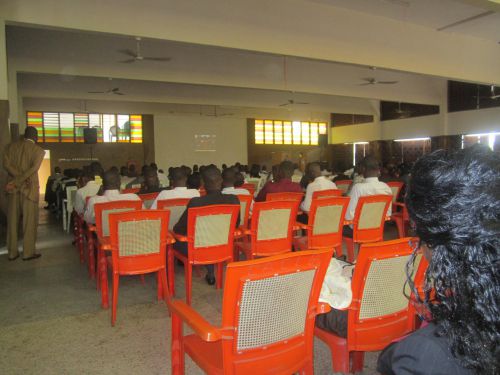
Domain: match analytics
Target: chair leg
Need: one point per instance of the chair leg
(103, 283)
(116, 279)
(338, 251)
(90, 250)
(356, 361)
(189, 280)
(350, 250)
(163, 280)
(177, 346)
(171, 271)
(80, 246)
(220, 269)
(308, 369)
(400, 226)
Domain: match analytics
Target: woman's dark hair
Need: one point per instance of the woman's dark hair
(453, 201)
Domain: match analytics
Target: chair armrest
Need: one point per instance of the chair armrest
(348, 222)
(91, 227)
(200, 326)
(399, 204)
(299, 225)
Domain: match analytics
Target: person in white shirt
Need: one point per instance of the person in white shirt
(228, 179)
(369, 186)
(319, 182)
(179, 190)
(111, 185)
(90, 189)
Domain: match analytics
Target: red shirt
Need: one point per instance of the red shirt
(282, 186)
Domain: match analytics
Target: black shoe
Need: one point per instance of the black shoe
(13, 258)
(210, 279)
(33, 257)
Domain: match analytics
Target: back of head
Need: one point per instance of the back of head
(228, 177)
(370, 166)
(313, 170)
(212, 179)
(97, 168)
(151, 178)
(239, 179)
(254, 171)
(111, 180)
(179, 177)
(453, 200)
(286, 169)
(31, 133)
(123, 170)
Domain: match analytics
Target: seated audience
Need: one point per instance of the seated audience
(151, 183)
(111, 187)
(179, 188)
(228, 180)
(453, 201)
(194, 181)
(139, 180)
(212, 181)
(50, 188)
(89, 189)
(239, 179)
(370, 186)
(284, 184)
(319, 182)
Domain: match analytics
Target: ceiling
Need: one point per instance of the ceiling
(52, 62)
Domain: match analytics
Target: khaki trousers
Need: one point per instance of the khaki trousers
(19, 205)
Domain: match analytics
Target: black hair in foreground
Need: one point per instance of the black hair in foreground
(454, 201)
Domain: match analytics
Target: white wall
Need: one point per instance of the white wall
(174, 140)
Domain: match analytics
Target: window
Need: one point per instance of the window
(68, 127)
(279, 132)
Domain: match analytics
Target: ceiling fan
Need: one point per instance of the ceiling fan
(115, 91)
(493, 96)
(291, 102)
(401, 112)
(374, 81)
(137, 56)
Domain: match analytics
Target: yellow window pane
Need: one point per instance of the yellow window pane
(268, 132)
(259, 132)
(278, 132)
(305, 133)
(296, 132)
(314, 133)
(322, 128)
(287, 133)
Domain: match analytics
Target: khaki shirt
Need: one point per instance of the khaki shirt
(21, 160)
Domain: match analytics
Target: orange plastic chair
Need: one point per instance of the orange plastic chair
(368, 223)
(245, 203)
(286, 196)
(250, 187)
(148, 199)
(137, 241)
(401, 217)
(379, 312)
(268, 312)
(101, 228)
(210, 236)
(175, 206)
(324, 228)
(270, 229)
(130, 191)
(328, 193)
(343, 185)
(396, 187)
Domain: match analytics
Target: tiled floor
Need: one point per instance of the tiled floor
(51, 321)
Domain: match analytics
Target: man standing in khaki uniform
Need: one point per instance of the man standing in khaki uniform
(22, 159)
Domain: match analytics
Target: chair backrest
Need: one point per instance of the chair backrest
(103, 210)
(328, 193)
(141, 235)
(326, 219)
(250, 187)
(176, 207)
(396, 187)
(271, 303)
(70, 196)
(148, 199)
(210, 232)
(245, 203)
(369, 218)
(285, 196)
(271, 227)
(379, 312)
(133, 190)
(343, 185)
(255, 181)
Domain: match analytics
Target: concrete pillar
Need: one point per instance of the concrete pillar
(4, 128)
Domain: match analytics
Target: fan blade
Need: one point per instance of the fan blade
(365, 84)
(495, 97)
(115, 89)
(118, 93)
(128, 52)
(157, 58)
(128, 61)
(387, 82)
(300, 103)
(96, 92)
(284, 104)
